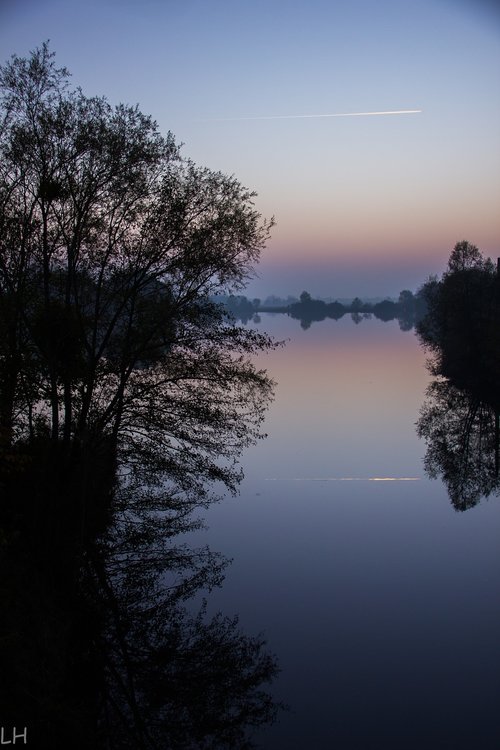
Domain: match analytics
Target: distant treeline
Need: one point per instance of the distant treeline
(409, 309)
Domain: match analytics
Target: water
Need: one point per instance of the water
(379, 599)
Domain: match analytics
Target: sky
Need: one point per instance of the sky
(364, 205)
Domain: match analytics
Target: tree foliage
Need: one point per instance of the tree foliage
(111, 243)
(126, 396)
(461, 328)
(460, 418)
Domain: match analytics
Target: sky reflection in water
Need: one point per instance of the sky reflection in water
(379, 599)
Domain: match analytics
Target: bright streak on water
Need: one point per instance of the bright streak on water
(342, 479)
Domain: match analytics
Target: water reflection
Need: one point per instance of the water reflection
(197, 680)
(462, 435)
(361, 584)
(460, 417)
(408, 309)
(101, 650)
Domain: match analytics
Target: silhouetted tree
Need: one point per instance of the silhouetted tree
(335, 310)
(307, 310)
(239, 307)
(466, 256)
(111, 244)
(460, 420)
(461, 326)
(126, 394)
(356, 305)
(406, 304)
(385, 310)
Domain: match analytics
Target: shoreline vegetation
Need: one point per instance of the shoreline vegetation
(460, 418)
(126, 400)
(127, 395)
(409, 309)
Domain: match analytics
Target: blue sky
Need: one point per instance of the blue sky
(365, 205)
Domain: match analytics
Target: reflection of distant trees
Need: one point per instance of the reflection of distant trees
(357, 317)
(408, 310)
(308, 310)
(385, 310)
(460, 418)
(239, 306)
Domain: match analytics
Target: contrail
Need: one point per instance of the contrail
(312, 117)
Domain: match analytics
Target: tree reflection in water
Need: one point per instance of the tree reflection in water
(462, 438)
(460, 418)
(173, 679)
(118, 660)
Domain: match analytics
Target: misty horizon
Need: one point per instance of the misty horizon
(371, 279)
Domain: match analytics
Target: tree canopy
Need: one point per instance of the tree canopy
(126, 398)
(111, 243)
(460, 417)
(461, 325)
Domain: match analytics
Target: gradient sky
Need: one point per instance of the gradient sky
(364, 205)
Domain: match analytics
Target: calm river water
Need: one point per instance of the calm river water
(380, 600)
